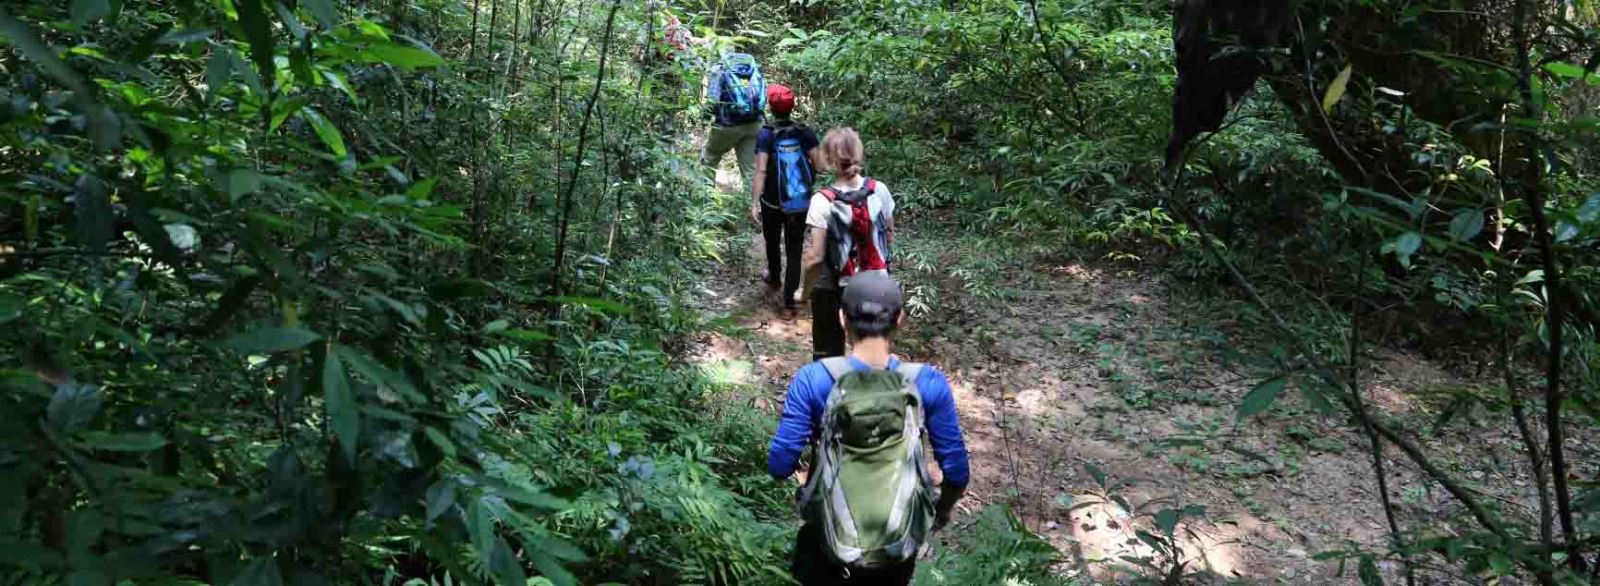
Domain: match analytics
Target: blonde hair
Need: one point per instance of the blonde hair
(843, 151)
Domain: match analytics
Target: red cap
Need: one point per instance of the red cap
(780, 98)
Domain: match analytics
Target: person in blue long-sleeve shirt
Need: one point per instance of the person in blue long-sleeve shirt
(872, 312)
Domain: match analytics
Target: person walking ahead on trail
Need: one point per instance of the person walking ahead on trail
(852, 228)
(868, 502)
(786, 154)
(736, 95)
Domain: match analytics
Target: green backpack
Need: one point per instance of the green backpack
(869, 492)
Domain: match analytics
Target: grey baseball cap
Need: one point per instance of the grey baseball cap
(873, 299)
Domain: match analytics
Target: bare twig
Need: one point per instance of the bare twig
(583, 142)
(1533, 193)
(1519, 414)
(1366, 422)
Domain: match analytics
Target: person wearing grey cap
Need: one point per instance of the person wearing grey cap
(872, 312)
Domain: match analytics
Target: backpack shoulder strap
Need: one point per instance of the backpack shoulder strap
(910, 370)
(830, 193)
(869, 185)
(838, 366)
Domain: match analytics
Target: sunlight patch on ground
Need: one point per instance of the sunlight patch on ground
(1076, 271)
(729, 372)
(1106, 538)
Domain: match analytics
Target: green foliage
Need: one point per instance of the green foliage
(995, 549)
(275, 275)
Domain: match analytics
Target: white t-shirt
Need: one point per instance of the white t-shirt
(880, 204)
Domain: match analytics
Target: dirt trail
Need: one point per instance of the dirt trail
(1083, 365)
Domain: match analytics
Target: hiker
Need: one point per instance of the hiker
(786, 153)
(852, 228)
(868, 502)
(665, 55)
(736, 95)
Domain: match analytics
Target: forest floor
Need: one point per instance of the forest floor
(1074, 368)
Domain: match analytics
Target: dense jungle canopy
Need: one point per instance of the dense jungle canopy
(438, 292)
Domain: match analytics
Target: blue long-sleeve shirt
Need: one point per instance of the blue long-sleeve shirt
(808, 396)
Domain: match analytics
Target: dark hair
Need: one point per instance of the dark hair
(872, 324)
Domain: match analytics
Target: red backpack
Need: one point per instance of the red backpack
(856, 241)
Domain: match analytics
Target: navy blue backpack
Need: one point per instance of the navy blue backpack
(792, 167)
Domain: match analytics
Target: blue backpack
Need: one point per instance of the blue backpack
(792, 168)
(743, 94)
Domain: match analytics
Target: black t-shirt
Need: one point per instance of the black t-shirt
(765, 142)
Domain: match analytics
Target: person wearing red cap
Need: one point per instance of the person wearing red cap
(786, 165)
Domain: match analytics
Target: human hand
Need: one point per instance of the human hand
(755, 214)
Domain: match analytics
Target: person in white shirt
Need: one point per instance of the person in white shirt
(851, 227)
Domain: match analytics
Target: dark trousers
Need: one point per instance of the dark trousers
(813, 566)
(827, 330)
(789, 230)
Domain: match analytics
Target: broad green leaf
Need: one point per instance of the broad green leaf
(551, 568)
(258, 31)
(377, 373)
(1095, 472)
(270, 340)
(1567, 70)
(251, 78)
(523, 335)
(531, 498)
(1533, 276)
(238, 183)
(556, 548)
(1368, 571)
(440, 497)
(505, 567)
(1590, 210)
(181, 36)
(1466, 224)
(595, 303)
(480, 527)
(421, 189)
(22, 37)
(96, 223)
(326, 131)
(323, 11)
(441, 440)
(402, 56)
(87, 11)
(1166, 520)
(290, 21)
(283, 109)
(219, 70)
(72, 406)
(122, 442)
(495, 326)
(337, 80)
(11, 307)
(1408, 244)
(1315, 392)
(1566, 231)
(1500, 563)
(341, 404)
(1261, 397)
(1336, 89)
